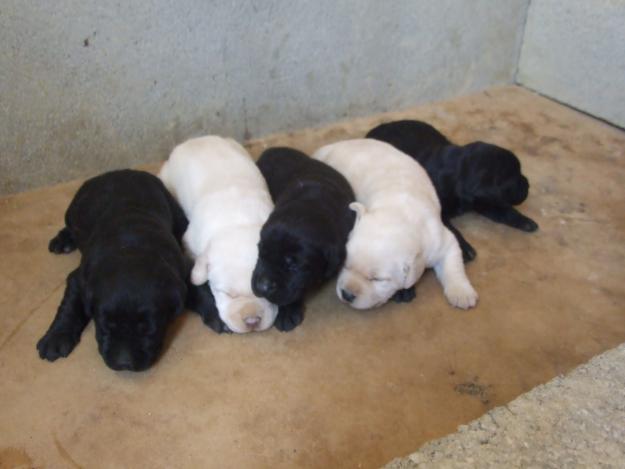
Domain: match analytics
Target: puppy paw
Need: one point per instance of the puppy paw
(289, 317)
(56, 344)
(63, 242)
(461, 295)
(468, 253)
(212, 320)
(529, 225)
(405, 295)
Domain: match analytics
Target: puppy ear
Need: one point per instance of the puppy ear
(199, 273)
(334, 257)
(413, 271)
(359, 208)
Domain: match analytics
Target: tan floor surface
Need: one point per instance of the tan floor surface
(346, 389)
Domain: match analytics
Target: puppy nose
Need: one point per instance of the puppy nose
(252, 322)
(265, 285)
(123, 360)
(347, 295)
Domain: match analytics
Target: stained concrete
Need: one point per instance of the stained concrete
(573, 51)
(347, 388)
(87, 85)
(572, 421)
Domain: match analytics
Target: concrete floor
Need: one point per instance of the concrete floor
(572, 421)
(346, 389)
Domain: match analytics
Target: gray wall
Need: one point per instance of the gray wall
(574, 51)
(90, 85)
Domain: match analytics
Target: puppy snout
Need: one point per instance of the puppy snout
(252, 322)
(123, 360)
(265, 286)
(347, 295)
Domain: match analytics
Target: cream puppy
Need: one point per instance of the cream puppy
(398, 231)
(226, 200)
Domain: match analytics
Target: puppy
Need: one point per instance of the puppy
(398, 230)
(478, 176)
(131, 278)
(227, 202)
(303, 241)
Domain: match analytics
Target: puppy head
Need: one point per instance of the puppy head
(293, 257)
(492, 175)
(229, 262)
(381, 259)
(132, 302)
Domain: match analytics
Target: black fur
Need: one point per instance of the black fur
(132, 276)
(476, 177)
(303, 241)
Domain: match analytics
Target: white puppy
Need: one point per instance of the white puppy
(398, 230)
(226, 200)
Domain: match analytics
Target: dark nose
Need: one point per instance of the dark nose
(265, 286)
(252, 322)
(347, 296)
(123, 360)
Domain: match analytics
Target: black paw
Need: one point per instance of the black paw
(405, 296)
(63, 242)
(289, 317)
(56, 344)
(215, 323)
(528, 225)
(468, 253)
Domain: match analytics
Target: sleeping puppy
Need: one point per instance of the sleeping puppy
(131, 278)
(398, 230)
(227, 202)
(303, 241)
(478, 176)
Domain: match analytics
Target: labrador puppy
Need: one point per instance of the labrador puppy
(303, 241)
(131, 277)
(476, 177)
(227, 202)
(398, 230)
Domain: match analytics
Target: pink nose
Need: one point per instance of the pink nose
(252, 322)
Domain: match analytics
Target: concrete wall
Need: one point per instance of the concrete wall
(574, 51)
(90, 85)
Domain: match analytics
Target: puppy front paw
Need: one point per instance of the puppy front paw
(57, 343)
(528, 225)
(468, 253)
(405, 295)
(461, 295)
(212, 320)
(289, 317)
(63, 242)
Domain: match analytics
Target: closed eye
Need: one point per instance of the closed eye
(378, 279)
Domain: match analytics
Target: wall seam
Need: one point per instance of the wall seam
(515, 78)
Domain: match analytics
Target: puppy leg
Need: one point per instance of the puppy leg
(289, 316)
(450, 272)
(405, 295)
(468, 253)
(508, 216)
(63, 242)
(68, 324)
(201, 300)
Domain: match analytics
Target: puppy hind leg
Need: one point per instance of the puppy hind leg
(468, 252)
(289, 316)
(70, 320)
(450, 272)
(63, 242)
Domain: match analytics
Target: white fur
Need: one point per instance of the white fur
(398, 231)
(226, 200)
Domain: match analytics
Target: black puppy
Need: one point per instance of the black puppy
(303, 241)
(479, 176)
(131, 278)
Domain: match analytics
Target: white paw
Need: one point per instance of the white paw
(461, 295)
